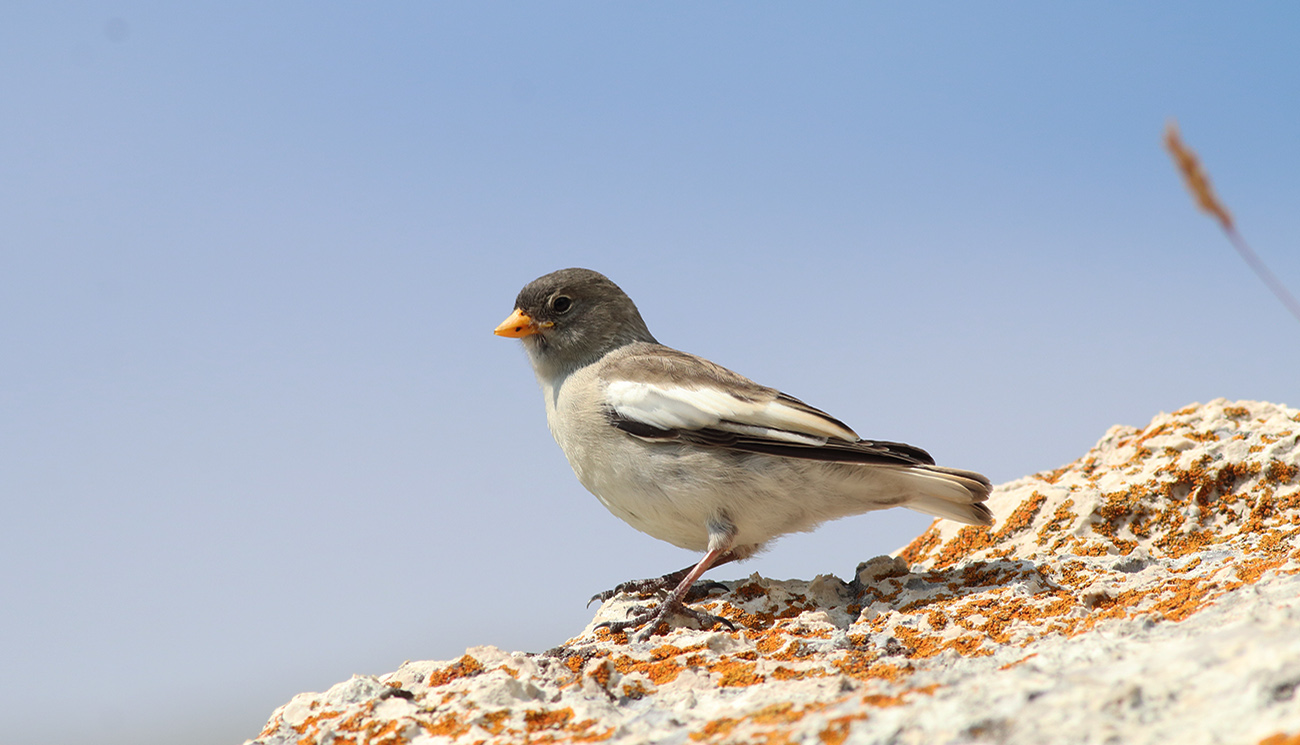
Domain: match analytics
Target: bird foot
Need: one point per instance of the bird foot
(650, 618)
(638, 587)
(645, 587)
(700, 590)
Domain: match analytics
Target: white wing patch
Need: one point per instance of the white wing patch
(685, 408)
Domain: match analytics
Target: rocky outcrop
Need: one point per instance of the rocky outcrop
(1149, 591)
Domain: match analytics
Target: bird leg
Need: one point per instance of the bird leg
(666, 582)
(721, 535)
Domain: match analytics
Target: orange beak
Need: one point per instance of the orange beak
(520, 324)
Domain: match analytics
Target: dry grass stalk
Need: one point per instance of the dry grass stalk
(1199, 184)
(1194, 176)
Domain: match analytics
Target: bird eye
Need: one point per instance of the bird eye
(562, 304)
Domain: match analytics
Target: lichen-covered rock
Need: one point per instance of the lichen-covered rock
(1149, 591)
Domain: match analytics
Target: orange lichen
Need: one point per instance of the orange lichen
(882, 700)
(769, 643)
(762, 620)
(749, 591)
(314, 720)
(658, 672)
(781, 672)
(1022, 517)
(493, 721)
(574, 663)
(1020, 661)
(1250, 570)
(1061, 518)
(449, 725)
(612, 637)
(736, 674)
(579, 731)
(1178, 545)
(540, 719)
(921, 646)
(715, 728)
(886, 700)
(635, 689)
(920, 546)
(967, 541)
(1052, 476)
(836, 730)
(785, 713)
(465, 667)
(1186, 598)
(1279, 473)
(863, 666)
(601, 674)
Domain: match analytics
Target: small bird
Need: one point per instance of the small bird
(696, 455)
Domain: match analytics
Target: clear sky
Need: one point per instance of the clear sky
(256, 434)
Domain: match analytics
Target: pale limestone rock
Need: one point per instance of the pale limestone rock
(1148, 592)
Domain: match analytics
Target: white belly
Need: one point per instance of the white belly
(673, 492)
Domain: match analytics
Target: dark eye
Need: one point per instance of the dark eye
(562, 304)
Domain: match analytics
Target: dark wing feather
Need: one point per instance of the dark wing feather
(861, 451)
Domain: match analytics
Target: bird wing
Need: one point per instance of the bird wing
(660, 394)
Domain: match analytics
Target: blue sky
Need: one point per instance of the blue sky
(256, 434)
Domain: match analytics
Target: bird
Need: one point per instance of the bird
(691, 453)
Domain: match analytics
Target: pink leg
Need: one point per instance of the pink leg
(684, 586)
(667, 582)
(719, 546)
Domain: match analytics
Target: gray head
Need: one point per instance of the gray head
(572, 317)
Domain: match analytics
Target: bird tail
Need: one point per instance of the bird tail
(950, 493)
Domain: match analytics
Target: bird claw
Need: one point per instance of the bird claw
(704, 619)
(641, 586)
(701, 589)
(652, 617)
(684, 585)
(645, 587)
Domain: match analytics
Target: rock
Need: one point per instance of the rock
(1149, 591)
